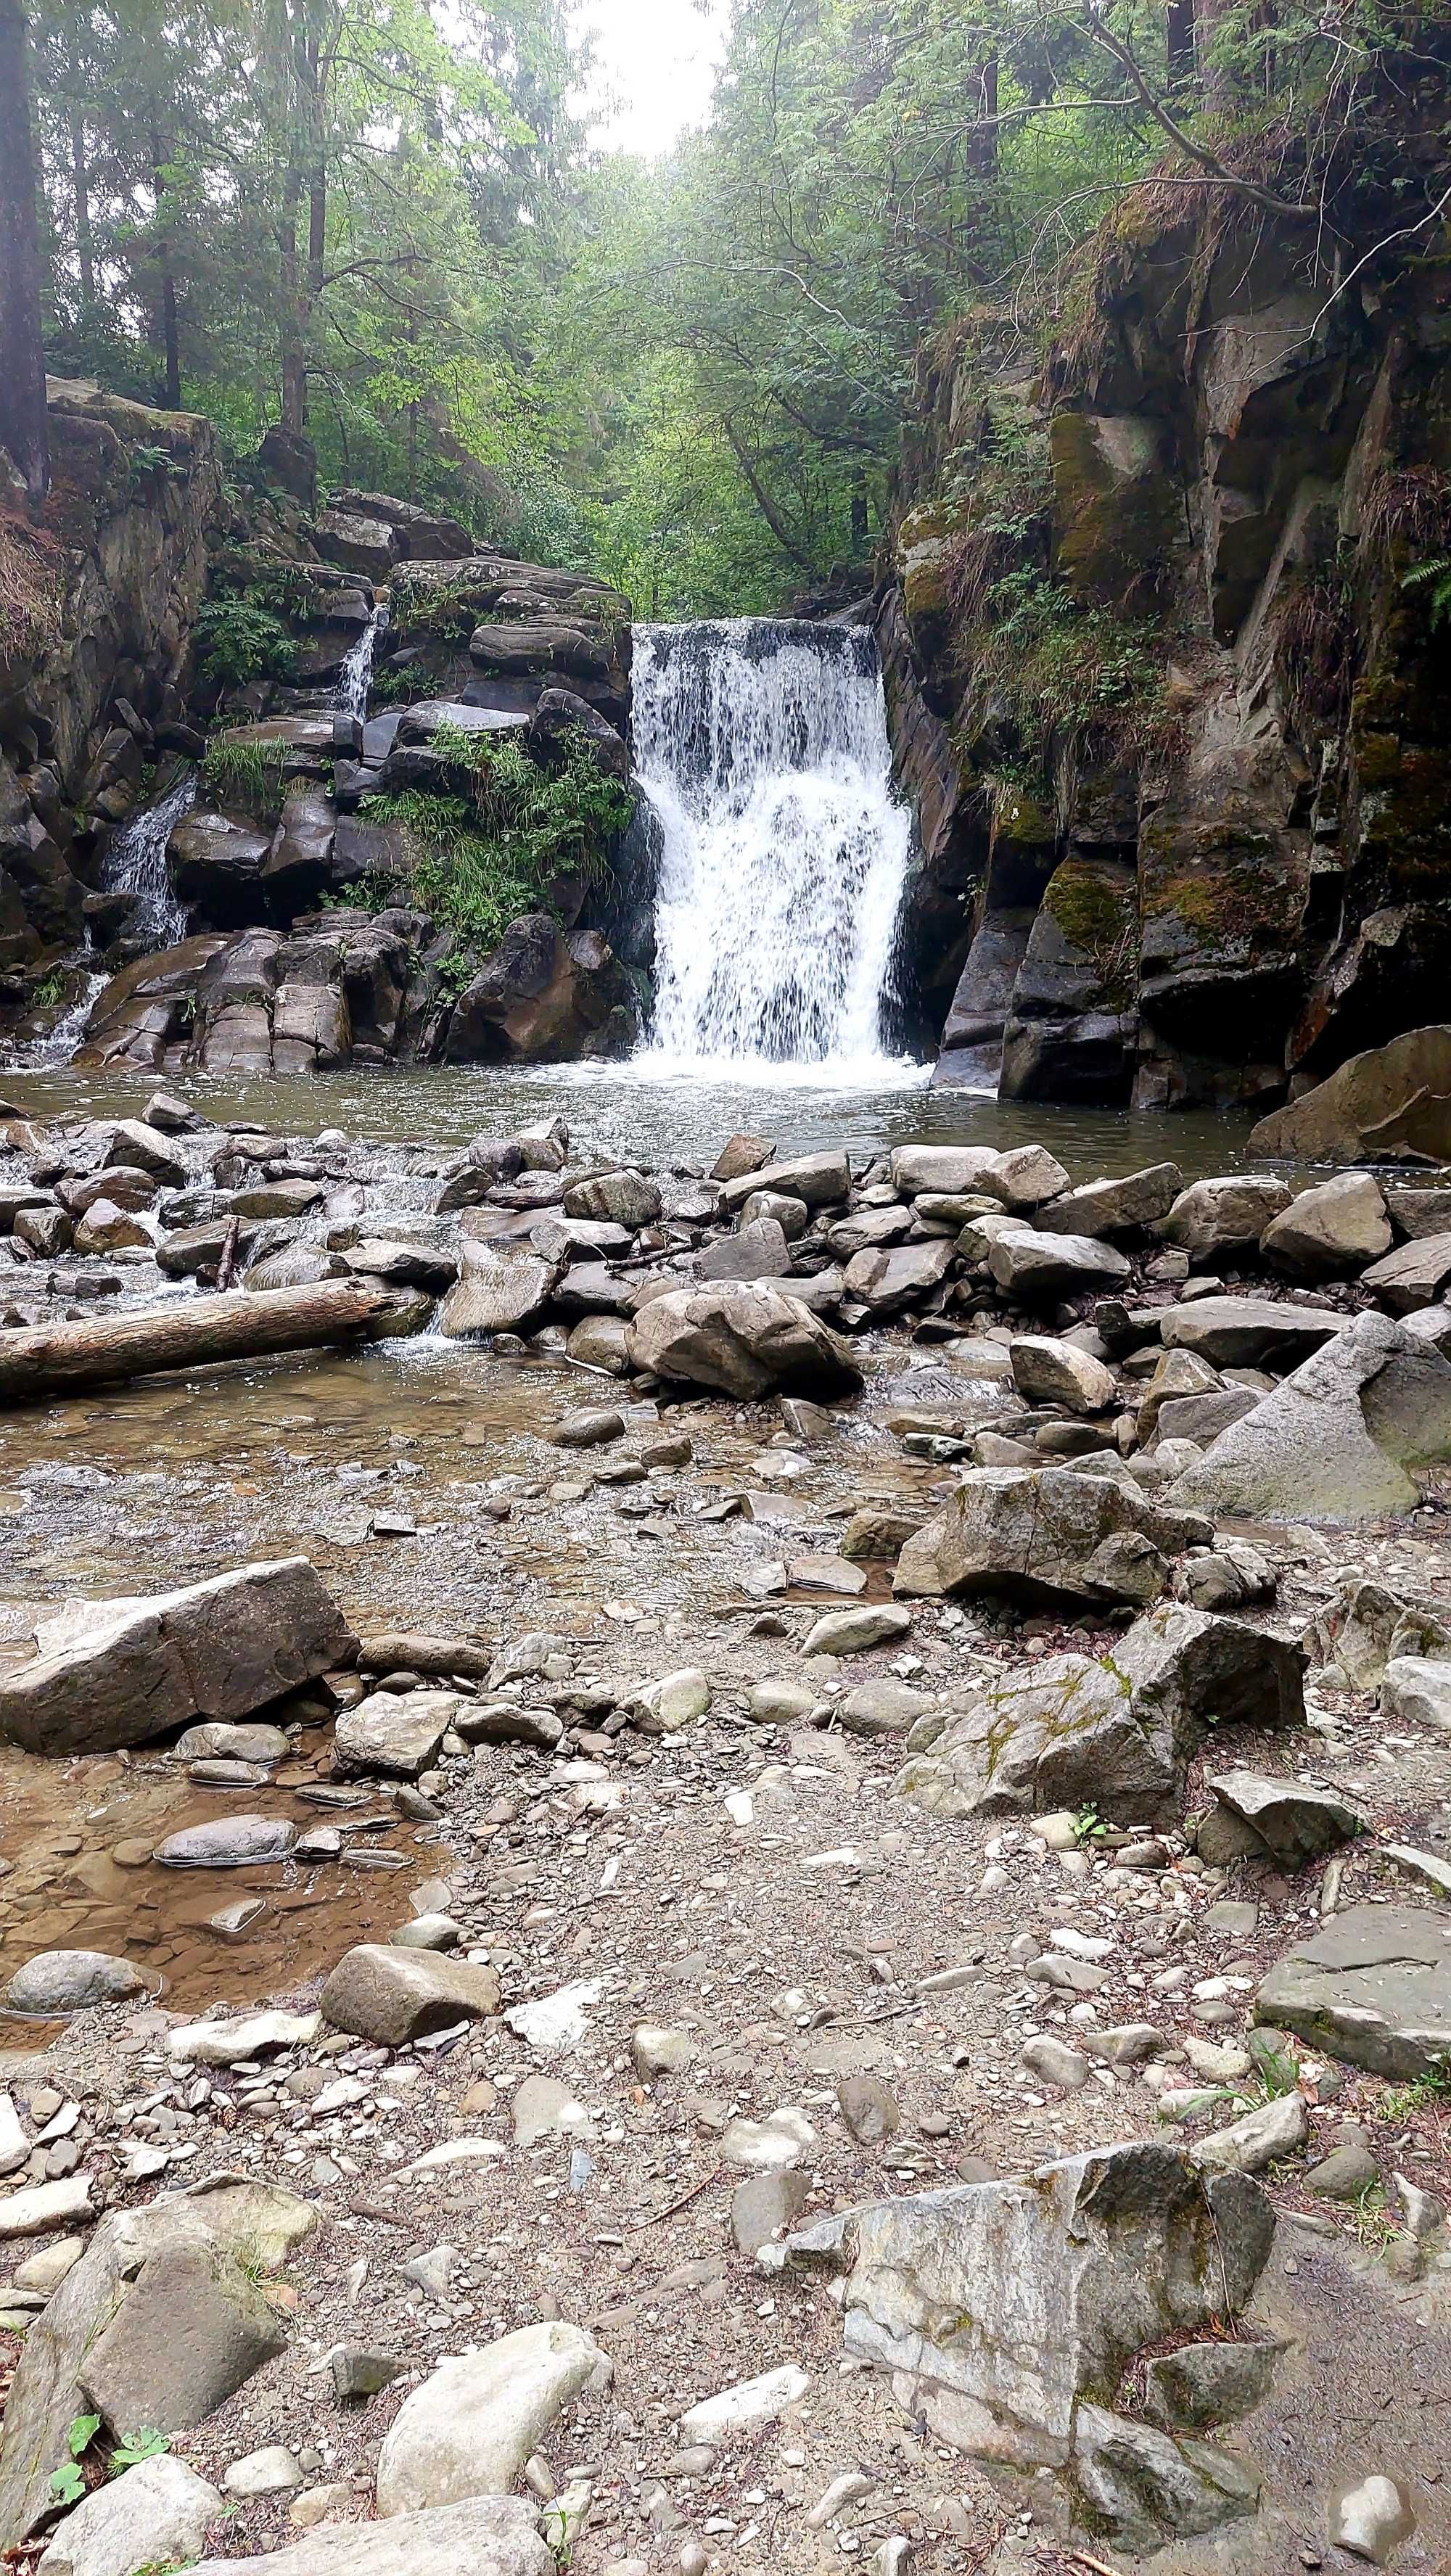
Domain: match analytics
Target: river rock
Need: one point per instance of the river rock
(45, 2206)
(751, 2403)
(393, 1735)
(758, 1251)
(218, 1741)
(1330, 1231)
(1114, 1207)
(1038, 1534)
(940, 1168)
(69, 1981)
(1365, 1627)
(403, 1265)
(1046, 1371)
(1340, 1440)
(472, 2425)
(1223, 1215)
(855, 1632)
(391, 1996)
(765, 2204)
(624, 1198)
(820, 1179)
(489, 2535)
(1389, 1104)
(156, 2325)
(742, 1340)
(229, 2043)
(113, 1673)
(739, 1155)
(1037, 1268)
(228, 1842)
(1295, 1824)
(495, 1294)
(1276, 2128)
(136, 1144)
(1249, 1332)
(1066, 2276)
(1417, 1688)
(1371, 1986)
(1414, 1275)
(1372, 2518)
(887, 1279)
(155, 2516)
(601, 1342)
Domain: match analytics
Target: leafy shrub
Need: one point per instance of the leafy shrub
(238, 639)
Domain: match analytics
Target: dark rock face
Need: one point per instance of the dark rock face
(1273, 866)
(544, 996)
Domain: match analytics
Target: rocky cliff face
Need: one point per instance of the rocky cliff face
(1211, 857)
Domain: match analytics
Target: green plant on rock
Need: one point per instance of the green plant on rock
(248, 774)
(1089, 1826)
(1428, 2092)
(239, 639)
(50, 989)
(148, 2444)
(68, 2482)
(1437, 574)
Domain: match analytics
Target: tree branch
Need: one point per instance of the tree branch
(1177, 134)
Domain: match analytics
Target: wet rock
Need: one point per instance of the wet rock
(68, 1981)
(1224, 1215)
(1053, 1372)
(752, 2402)
(390, 1996)
(1371, 1986)
(495, 1294)
(229, 1842)
(1034, 1534)
(589, 1427)
(1066, 2276)
(1038, 1268)
(742, 1340)
(488, 2535)
(1340, 1440)
(113, 1673)
(392, 1735)
(154, 2516)
(472, 2425)
(765, 2204)
(615, 1198)
(1331, 1230)
(404, 1265)
(159, 2322)
(1296, 1824)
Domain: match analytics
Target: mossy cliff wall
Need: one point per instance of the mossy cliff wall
(1174, 720)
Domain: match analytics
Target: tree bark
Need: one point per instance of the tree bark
(170, 343)
(81, 194)
(764, 503)
(22, 359)
(1179, 43)
(43, 1359)
(404, 1651)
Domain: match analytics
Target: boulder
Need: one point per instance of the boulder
(155, 2516)
(1416, 1689)
(1371, 1986)
(1041, 1268)
(887, 1280)
(1114, 1207)
(228, 1842)
(495, 1294)
(1226, 1215)
(390, 1996)
(741, 1155)
(1341, 1440)
(1392, 1103)
(822, 1180)
(1053, 1372)
(544, 996)
(624, 1198)
(758, 1251)
(474, 2422)
(488, 2535)
(1035, 1534)
(1416, 1274)
(162, 2318)
(137, 1146)
(68, 1981)
(1008, 2314)
(215, 866)
(1249, 1332)
(392, 1735)
(112, 1673)
(1364, 1626)
(1296, 1824)
(916, 1168)
(1330, 1231)
(742, 1339)
(1025, 1177)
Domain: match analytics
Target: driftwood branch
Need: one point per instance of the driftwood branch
(46, 1359)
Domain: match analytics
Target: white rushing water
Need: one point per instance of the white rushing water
(355, 680)
(762, 746)
(135, 864)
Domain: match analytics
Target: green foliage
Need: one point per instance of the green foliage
(236, 639)
(248, 774)
(482, 859)
(1435, 574)
(1061, 670)
(68, 2482)
(143, 463)
(50, 989)
(1430, 2092)
(1089, 1826)
(147, 2445)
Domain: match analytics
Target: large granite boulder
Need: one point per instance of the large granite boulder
(1371, 1986)
(1010, 2313)
(162, 2318)
(1342, 1439)
(1391, 1104)
(496, 1293)
(544, 996)
(1045, 1535)
(111, 1673)
(743, 1339)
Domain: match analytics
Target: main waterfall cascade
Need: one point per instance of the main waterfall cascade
(761, 745)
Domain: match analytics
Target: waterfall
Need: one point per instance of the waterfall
(761, 744)
(135, 864)
(60, 1044)
(355, 679)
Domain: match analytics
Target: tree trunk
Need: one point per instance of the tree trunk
(291, 337)
(983, 144)
(22, 359)
(1179, 41)
(404, 1651)
(41, 1359)
(170, 344)
(764, 503)
(81, 194)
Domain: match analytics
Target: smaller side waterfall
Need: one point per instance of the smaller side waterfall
(355, 680)
(762, 747)
(135, 864)
(60, 1044)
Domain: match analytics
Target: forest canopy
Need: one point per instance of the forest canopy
(389, 225)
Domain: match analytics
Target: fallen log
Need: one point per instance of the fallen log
(48, 1359)
(401, 1651)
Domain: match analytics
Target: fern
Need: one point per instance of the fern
(1437, 571)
